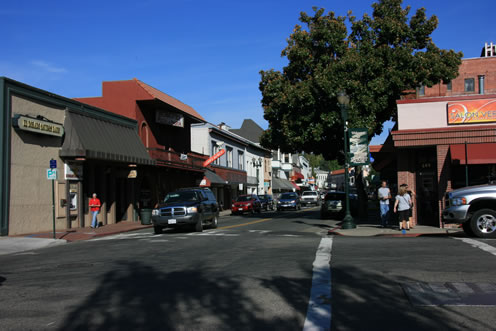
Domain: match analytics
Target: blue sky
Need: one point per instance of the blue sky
(207, 54)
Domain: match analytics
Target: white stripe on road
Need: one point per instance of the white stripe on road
(480, 245)
(319, 305)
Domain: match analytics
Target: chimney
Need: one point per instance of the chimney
(481, 84)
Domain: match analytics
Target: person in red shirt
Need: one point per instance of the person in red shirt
(95, 209)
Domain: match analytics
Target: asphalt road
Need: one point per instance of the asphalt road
(252, 273)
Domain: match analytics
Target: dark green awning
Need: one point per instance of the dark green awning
(101, 139)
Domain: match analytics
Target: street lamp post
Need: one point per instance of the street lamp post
(344, 101)
(257, 164)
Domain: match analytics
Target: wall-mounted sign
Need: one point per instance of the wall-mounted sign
(132, 174)
(359, 146)
(473, 111)
(73, 170)
(37, 125)
(169, 118)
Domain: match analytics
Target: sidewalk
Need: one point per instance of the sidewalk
(27, 242)
(33, 241)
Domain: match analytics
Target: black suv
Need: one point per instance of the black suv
(267, 201)
(187, 207)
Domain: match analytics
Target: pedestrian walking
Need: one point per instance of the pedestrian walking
(95, 209)
(413, 196)
(402, 205)
(384, 194)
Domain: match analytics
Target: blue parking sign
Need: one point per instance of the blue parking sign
(53, 164)
(52, 174)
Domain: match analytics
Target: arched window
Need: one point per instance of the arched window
(144, 134)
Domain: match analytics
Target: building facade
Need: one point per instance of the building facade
(165, 130)
(445, 138)
(82, 149)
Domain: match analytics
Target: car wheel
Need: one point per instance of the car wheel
(157, 229)
(252, 211)
(214, 223)
(483, 223)
(199, 225)
(299, 207)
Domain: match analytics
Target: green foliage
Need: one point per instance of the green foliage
(380, 58)
(318, 161)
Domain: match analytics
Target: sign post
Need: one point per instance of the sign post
(52, 175)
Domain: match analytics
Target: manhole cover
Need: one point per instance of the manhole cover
(450, 294)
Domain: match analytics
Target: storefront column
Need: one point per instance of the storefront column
(111, 201)
(443, 176)
(104, 195)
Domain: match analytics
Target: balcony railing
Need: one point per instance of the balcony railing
(176, 160)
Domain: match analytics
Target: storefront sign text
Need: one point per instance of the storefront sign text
(35, 125)
(474, 111)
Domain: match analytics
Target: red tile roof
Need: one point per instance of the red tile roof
(169, 100)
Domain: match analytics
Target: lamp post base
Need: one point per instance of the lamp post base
(348, 222)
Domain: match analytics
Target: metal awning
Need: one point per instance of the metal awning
(281, 184)
(213, 178)
(100, 139)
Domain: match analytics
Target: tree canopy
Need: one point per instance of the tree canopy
(375, 61)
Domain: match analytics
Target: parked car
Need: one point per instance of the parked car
(186, 207)
(334, 205)
(289, 200)
(246, 203)
(310, 198)
(475, 208)
(267, 201)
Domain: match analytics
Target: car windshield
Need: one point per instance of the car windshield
(244, 198)
(181, 196)
(287, 196)
(309, 193)
(263, 197)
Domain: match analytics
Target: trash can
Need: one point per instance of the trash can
(146, 216)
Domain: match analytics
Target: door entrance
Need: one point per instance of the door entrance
(427, 193)
(121, 199)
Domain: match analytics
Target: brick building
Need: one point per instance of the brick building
(164, 126)
(444, 138)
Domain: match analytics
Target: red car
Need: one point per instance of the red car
(246, 203)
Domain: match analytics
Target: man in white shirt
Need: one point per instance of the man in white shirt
(384, 194)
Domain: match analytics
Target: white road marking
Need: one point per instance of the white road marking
(477, 244)
(319, 305)
(259, 231)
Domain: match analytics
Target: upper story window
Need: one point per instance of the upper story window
(215, 150)
(229, 152)
(241, 160)
(469, 85)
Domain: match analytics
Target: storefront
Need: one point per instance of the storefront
(443, 144)
(87, 150)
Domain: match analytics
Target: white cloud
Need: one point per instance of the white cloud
(48, 67)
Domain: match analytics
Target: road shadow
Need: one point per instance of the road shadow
(363, 300)
(136, 296)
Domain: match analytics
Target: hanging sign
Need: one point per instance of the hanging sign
(214, 157)
(73, 170)
(359, 146)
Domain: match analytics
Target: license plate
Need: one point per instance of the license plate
(172, 221)
(240, 208)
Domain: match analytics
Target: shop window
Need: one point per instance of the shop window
(478, 174)
(469, 85)
(421, 90)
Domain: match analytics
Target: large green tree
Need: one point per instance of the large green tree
(375, 60)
